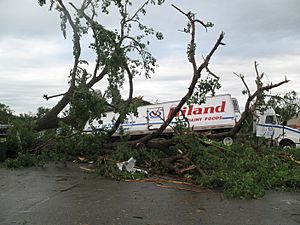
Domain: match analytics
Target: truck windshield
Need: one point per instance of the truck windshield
(270, 120)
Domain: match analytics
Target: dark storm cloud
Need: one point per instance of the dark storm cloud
(35, 59)
(259, 27)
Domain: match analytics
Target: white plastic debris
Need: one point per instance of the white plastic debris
(129, 166)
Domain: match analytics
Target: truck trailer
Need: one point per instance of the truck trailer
(218, 113)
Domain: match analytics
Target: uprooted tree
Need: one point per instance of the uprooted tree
(201, 86)
(244, 169)
(254, 99)
(119, 52)
(115, 53)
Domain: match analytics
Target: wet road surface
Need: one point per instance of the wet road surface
(57, 195)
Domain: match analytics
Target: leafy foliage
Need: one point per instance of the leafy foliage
(120, 51)
(42, 2)
(286, 106)
(148, 159)
(5, 114)
(85, 105)
(21, 136)
(26, 160)
(244, 170)
(204, 87)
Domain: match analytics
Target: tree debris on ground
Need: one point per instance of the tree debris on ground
(247, 169)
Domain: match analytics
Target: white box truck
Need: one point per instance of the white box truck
(218, 113)
(266, 125)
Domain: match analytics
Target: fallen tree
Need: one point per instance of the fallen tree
(251, 102)
(115, 56)
(117, 62)
(197, 70)
(250, 105)
(242, 170)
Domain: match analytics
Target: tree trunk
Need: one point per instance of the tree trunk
(50, 119)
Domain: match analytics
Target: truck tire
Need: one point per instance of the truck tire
(287, 144)
(228, 141)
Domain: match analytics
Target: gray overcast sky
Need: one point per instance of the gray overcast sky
(35, 59)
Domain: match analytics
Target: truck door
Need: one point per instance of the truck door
(265, 126)
(155, 117)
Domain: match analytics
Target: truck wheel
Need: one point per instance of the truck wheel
(228, 141)
(287, 144)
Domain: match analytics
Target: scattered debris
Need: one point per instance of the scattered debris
(129, 166)
(69, 188)
(187, 169)
(291, 201)
(182, 189)
(159, 183)
(62, 179)
(161, 180)
(138, 217)
(88, 168)
(82, 159)
(290, 157)
(200, 209)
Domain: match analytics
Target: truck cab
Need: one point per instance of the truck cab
(265, 124)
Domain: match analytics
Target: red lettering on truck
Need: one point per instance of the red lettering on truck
(192, 110)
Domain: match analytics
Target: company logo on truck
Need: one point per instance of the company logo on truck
(217, 113)
(191, 110)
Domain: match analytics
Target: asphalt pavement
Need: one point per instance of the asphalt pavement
(58, 195)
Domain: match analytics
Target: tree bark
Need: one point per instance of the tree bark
(249, 109)
(196, 74)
